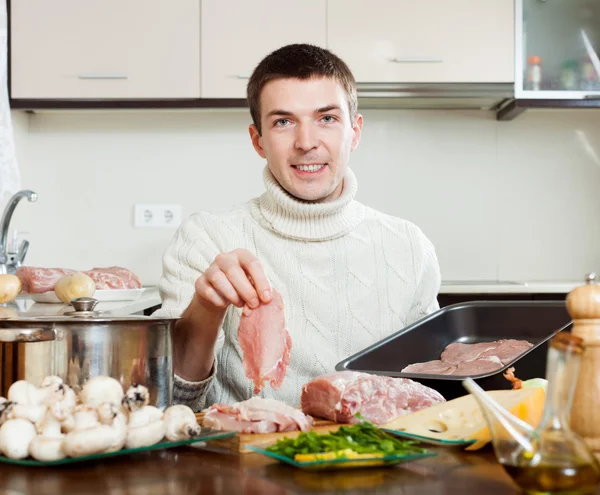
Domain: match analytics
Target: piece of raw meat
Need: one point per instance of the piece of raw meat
(340, 396)
(256, 415)
(265, 342)
(437, 367)
(130, 279)
(36, 280)
(105, 280)
(507, 350)
(459, 353)
(472, 359)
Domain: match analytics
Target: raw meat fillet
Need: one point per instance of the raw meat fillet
(256, 415)
(130, 279)
(459, 353)
(265, 342)
(472, 359)
(105, 280)
(477, 367)
(339, 396)
(507, 350)
(36, 280)
(436, 367)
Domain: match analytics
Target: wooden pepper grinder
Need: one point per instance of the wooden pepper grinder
(583, 304)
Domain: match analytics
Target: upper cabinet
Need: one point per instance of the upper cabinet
(105, 49)
(557, 49)
(432, 41)
(236, 35)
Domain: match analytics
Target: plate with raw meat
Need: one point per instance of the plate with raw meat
(105, 295)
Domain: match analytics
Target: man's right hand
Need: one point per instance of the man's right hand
(234, 278)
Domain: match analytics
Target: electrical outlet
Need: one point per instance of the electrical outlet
(158, 216)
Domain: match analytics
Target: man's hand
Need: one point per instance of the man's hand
(234, 278)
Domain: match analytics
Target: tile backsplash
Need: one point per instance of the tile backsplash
(507, 200)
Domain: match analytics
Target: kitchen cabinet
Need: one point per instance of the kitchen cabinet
(557, 45)
(253, 30)
(105, 49)
(433, 41)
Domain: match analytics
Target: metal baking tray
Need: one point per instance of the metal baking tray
(469, 323)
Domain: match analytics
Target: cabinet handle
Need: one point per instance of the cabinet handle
(241, 76)
(102, 76)
(417, 60)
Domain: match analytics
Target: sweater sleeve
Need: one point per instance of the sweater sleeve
(188, 255)
(427, 278)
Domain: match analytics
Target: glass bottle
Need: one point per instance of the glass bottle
(551, 458)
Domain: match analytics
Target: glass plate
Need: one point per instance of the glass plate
(429, 440)
(205, 435)
(344, 463)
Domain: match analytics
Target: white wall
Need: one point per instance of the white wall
(508, 200)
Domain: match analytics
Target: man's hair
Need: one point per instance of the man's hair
(299, 61)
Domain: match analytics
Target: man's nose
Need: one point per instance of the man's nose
(306, 137)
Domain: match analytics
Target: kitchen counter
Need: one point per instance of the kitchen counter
(194, 471)
(508, 287)
(149, 298)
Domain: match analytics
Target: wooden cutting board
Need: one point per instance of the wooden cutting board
(239, 442)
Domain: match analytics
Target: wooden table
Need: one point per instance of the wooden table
(191, 470)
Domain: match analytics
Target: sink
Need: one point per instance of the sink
(482, 282)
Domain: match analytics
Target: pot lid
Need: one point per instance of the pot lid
(83, 311)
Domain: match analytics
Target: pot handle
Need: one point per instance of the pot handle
(27, 334)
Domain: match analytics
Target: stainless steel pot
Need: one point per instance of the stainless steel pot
(83, 343)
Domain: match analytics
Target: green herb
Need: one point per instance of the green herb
(362, 438)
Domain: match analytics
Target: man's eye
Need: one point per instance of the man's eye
(281, 122)
(328, 119)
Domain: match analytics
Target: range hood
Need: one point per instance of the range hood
(468, 96)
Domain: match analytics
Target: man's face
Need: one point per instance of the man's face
(307, 135)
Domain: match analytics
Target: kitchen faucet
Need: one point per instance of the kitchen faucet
(7, 265)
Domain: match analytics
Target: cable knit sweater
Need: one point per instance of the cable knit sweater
(349, 276)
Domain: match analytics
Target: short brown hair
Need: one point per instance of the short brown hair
(299, 61)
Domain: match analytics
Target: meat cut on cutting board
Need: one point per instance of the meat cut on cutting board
(472, 359)
(265, 343)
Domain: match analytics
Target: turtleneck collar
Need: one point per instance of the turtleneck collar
(291, 217)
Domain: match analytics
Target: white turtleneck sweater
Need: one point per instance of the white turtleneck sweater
(349, 277)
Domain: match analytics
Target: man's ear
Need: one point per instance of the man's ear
(357, 130)
(256, 139)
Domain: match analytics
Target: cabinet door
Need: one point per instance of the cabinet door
(237, 34)
(434, 41)
(74, 49)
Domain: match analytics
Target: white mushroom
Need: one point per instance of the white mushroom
(181, 423)
(12, 410)
(113, 416)
(24, 393)
(146, 426)
(15, 437)
(48, 444)
(88, 436)
(101, 389)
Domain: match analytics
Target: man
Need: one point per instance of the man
(349, 275)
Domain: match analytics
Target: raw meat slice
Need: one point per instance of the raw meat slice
(434, 367)
(105, 280)
(507, 350)
(265, 342)
(459, 353)
(256, 415)
(130, 279)
(477, 367)
(340, 396)
(472, 359)
(36, 280)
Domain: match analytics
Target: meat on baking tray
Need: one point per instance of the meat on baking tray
(265, 343)
(256, 415)
(341, 395)
(472, 359)
(37, 280)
